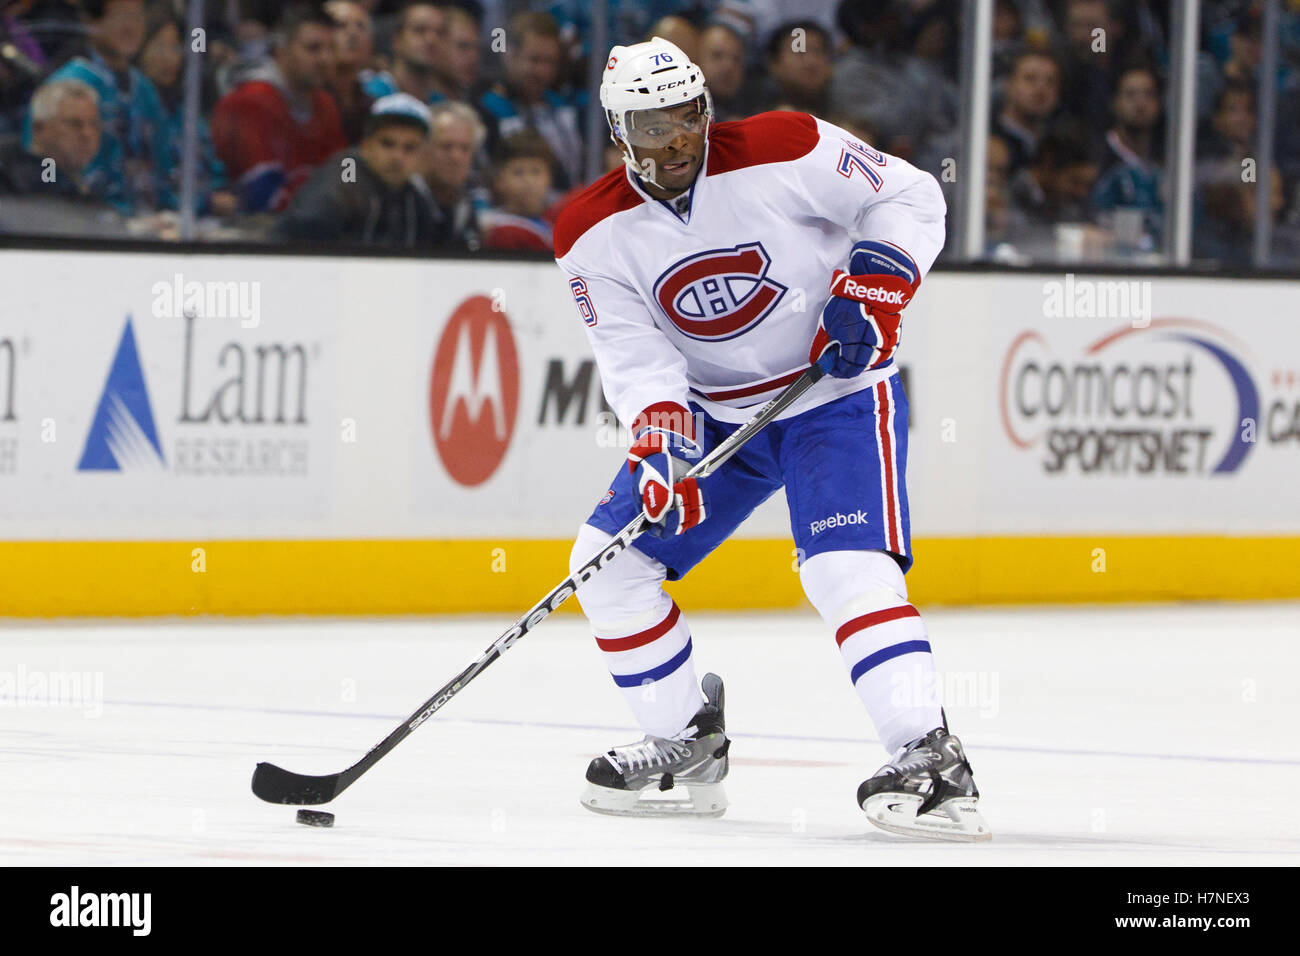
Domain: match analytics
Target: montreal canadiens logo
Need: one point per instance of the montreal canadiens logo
(719, 294)
(474, 391)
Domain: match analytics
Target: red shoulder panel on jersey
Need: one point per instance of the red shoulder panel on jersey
(609, 194)
(776, 137)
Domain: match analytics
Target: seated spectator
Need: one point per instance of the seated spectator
(1088, 69)
(273, 130)
(1225, 216)
(799, 68)
(933, 98)
(462, 53)
(57, 27)
(368, 194)
(871, 81)
(722, 58)
(22, 66)
(456, 138)
(353, 50)
(525, 100)
(132, 169)
(249, 51)
(1246, 47)
(1054, 188)
(1131, 179)
(521, 187)
(65, 138)
(419, 57)
(1008, 35)
(1031, 96)
(160, 59)
(932, 38)
(680, 32)
(1227, 188)
(629, 21)
(741, 17)
(1231, 133)
(999, 216)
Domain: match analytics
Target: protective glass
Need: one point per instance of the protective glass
(655, 129)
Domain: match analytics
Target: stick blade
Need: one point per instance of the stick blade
(276, 785)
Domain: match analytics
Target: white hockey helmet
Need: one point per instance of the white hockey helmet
(653, 75)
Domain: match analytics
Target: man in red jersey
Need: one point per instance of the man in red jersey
(281, 123)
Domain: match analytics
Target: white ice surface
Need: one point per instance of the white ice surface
(1134, 735)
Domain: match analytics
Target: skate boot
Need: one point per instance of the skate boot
(927, 791)
(666, 776)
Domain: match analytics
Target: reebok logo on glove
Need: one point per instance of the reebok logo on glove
(872, 289)
(868, 293)
(860, 321)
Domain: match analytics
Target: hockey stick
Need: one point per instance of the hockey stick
(276, 785)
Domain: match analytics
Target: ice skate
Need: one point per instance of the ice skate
(927, 790)
(666, 776)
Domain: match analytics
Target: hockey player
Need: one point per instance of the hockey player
(690, 269)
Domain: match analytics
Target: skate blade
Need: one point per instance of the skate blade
(958, 820)
(701, 800)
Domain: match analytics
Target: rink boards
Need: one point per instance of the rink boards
(241, 434)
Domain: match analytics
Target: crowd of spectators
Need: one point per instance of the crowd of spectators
(462, 124)
(1076, 159)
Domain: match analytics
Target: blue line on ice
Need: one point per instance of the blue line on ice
(1010, 748)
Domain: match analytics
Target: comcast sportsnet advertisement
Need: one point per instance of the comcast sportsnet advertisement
(1179, 419)
(1172, 397)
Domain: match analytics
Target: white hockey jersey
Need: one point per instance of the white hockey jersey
(720, 305)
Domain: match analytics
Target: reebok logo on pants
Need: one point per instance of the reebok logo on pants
(838, 520)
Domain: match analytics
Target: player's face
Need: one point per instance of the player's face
(670, 143)
(393, 153)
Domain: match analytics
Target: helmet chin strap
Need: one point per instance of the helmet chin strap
(629, 159)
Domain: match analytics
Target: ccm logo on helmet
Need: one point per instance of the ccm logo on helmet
(669, 86)
(720, 293)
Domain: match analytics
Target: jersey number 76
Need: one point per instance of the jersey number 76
(855, 155)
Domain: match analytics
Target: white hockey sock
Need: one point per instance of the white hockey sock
(654, 669)
(863, 597)
(643, 635)
(888, 656)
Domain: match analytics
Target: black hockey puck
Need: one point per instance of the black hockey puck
(316, 818)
